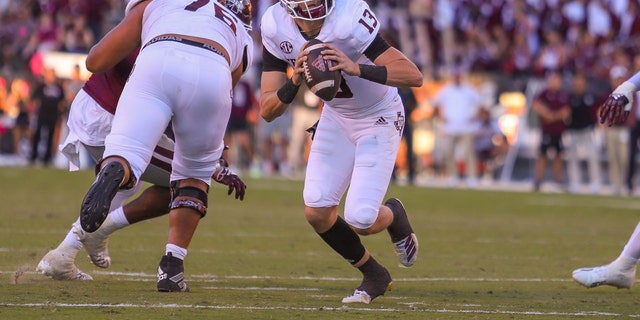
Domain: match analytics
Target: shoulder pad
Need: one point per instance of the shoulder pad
(354, 21)
(268, 25)
(130, 5)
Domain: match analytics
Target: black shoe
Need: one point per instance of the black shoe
(536, 186)
(171, 275)
(404, 239)
(374, 284)
(97, 201)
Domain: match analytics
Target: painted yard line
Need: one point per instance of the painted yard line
(547, 202)
(291, 308)
(213, 277)
(257, 277)
(263, 288)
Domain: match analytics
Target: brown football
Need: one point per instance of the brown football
(324, 83)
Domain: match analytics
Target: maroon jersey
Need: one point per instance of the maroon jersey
(105, 88)
(554, 101)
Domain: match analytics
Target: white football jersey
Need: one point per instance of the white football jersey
(351, 27)
(203, 19)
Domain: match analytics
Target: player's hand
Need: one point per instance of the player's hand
(614, 110)
(298, 69)
(227, 177)
(617, 107)
(341, 61)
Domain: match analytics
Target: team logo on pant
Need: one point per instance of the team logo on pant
(399, 123)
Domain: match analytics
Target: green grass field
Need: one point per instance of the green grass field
(483, 255)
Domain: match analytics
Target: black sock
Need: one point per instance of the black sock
(346, 242)
(399, 227)
(370, 266)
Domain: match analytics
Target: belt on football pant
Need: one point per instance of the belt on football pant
(184, 41)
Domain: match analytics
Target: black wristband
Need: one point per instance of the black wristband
(288, 92)
(374, 73)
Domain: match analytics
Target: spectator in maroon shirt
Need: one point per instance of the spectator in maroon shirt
(552, 106)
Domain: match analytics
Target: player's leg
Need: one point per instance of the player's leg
(59, 263)
(329, 170)
(113, 174)
(151, 203)
(200, 116)
(88, 123)
(375, 157)
(188, 206)
(620, 273)
(133, 137)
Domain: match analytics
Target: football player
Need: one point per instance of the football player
(90, 118)
(183, 76)
(621, 272)
(359, 131)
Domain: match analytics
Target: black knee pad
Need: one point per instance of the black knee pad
(192, 197)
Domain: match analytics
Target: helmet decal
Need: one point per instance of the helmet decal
(308, 9)
(242, 9)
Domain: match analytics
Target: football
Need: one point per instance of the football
(324, 83)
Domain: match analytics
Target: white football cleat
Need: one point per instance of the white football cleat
(405, 241)
(358, 296)
(612, 274)
(95, 243)
(59, 265)
(407, 250)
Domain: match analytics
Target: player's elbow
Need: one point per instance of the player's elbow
(267, 115)
(416, 79)
(94, 64)
(271, 108)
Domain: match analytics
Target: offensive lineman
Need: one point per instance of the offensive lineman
(89, 122)
(359, 131)
(192, 54)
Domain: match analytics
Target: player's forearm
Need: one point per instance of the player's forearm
(271, 107)
(404, 74)
(635, 80)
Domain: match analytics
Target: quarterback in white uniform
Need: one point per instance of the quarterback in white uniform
(359, 131)
(192, 53)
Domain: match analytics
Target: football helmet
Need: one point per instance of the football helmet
(308, 9)
(242, 9)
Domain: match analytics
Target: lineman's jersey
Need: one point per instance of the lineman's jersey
(351, 27)
(203, 19)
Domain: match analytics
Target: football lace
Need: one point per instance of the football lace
(307, 73)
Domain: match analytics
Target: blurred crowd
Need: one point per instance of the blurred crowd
(472, 54)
